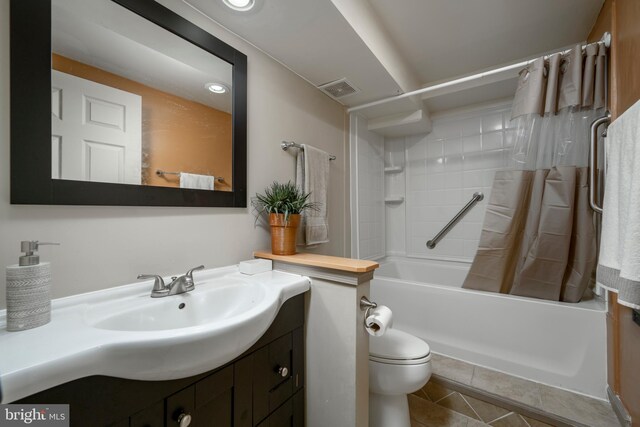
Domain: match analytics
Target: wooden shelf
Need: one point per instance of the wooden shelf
(324, 261)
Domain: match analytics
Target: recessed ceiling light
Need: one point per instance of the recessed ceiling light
(241, 5)
(216, 87)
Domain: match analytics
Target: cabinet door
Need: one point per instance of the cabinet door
(282, 417)
(290, 414)
(178, 405)
(214, 400)
(153, 416)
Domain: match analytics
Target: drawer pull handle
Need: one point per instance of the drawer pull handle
(283, 371)
(184, 420)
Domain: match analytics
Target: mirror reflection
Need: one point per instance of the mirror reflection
(133, 103)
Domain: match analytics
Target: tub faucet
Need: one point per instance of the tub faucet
(178, 285)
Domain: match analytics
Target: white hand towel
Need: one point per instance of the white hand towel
(196, 182)
(619, 265)
(312, 175)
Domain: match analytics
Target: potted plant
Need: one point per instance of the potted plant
(284, 203)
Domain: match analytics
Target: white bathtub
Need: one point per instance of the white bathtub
(559, 344)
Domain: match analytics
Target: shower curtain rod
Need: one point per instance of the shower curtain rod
(606, 40)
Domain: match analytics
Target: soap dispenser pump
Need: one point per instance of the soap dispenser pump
(29, 289)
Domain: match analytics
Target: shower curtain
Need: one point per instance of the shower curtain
(538, 236)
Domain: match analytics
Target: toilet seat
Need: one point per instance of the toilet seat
(398, 348)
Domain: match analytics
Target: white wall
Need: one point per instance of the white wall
(109, 246)
(444, 169)
(367, 183)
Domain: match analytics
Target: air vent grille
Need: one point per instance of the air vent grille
(338, 88)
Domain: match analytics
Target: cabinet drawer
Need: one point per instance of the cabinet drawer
(273, 380)
(209, 402)
(290, 414)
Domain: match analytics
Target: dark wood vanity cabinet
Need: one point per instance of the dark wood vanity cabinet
(263, 387)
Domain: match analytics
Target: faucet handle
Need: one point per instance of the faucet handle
(189, 277)
(159, 288)
(190, 272)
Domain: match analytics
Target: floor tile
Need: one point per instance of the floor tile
(421, 394)
(487, 411)
(586, 410)
(452, 369)
(414, 423)
(435, 391)
(521, 390)
(535, 423)
(511, 420)
(431, 415)
(455, 402)
(475, 423)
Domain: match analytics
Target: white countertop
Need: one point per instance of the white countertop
(71, 347)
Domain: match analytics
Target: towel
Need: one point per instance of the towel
(619, 266)
(196, 182)
(312, 176)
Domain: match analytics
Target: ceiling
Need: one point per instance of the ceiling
(376, 44)
(107, 36)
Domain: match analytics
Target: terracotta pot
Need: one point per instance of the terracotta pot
(283, 234)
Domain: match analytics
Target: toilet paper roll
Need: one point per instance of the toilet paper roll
(378, 320)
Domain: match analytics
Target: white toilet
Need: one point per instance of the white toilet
(399, 364)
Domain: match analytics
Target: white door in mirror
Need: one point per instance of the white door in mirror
(96, 131)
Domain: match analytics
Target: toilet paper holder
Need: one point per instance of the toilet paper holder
(366, 306)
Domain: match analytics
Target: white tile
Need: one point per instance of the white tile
(446, 130)
(470, 248)
(472, 178)
(509, 138)
(453, 162)
(453, 180)
(489, 174)
(492, 159)
(445, 213)
(506, 120)
(418, 182)
(472, 144)
(452, 146)
(470, 126)
(435, 165)
(416, 149)
(452, 197)
(435, 181)
(491, 141)
(491, 122)
(472, 161)
(434, 148)
(416, 166)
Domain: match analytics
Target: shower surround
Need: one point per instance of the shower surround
(559, 344)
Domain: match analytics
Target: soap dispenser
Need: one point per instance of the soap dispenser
(29, 289)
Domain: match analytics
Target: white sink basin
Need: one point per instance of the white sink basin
(123, 332)
(225, 299)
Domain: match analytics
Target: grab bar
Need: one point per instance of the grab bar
(475, 199)
(593, 155)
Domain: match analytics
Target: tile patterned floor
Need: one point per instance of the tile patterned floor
(436, 405)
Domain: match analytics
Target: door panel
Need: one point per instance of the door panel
(98, 131)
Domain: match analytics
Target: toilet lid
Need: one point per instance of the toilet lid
(398, 345)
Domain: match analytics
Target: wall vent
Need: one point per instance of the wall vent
(339, 88)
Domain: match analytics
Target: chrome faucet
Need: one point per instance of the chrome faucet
(178, 285)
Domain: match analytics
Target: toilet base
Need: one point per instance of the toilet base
(388, 410)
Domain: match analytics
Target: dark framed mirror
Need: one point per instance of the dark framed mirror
(124, 103)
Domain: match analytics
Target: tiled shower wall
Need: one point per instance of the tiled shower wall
(443, 170)
(367, 198)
